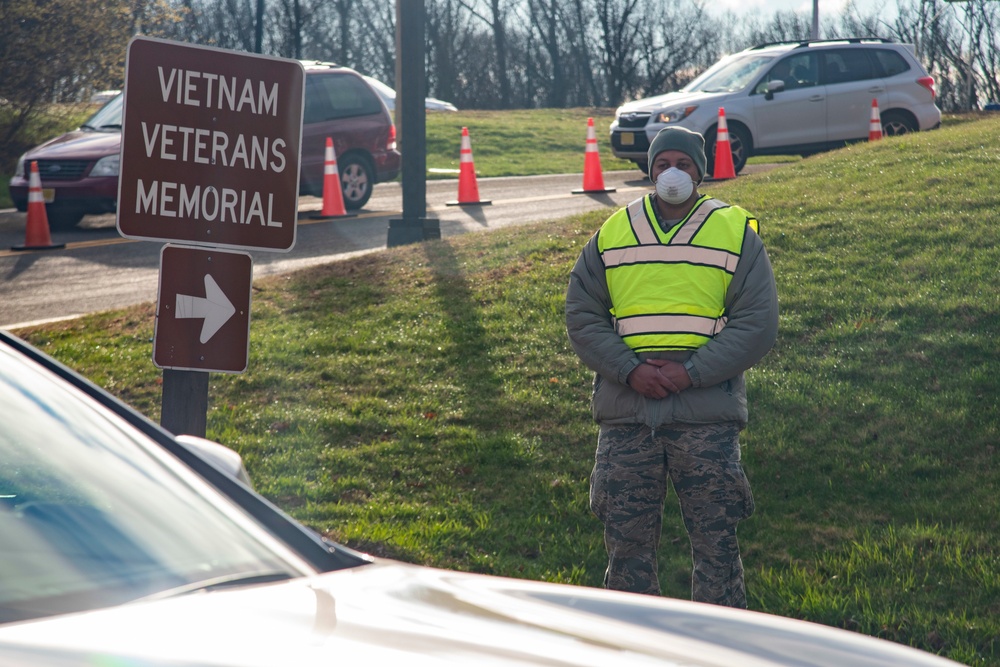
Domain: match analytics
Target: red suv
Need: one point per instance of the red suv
(79, 170)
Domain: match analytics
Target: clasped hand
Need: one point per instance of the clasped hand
(658, 378)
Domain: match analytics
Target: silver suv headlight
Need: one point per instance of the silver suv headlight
(106, 166)
(19, 169)
(675, 115)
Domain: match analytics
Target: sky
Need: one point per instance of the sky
(767, 7)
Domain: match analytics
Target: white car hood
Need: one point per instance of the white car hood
(669, 100)
(391, 613)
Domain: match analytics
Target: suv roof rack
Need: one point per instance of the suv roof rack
(802, 43)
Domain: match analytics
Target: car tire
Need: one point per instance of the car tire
(357, 179)
(643, 166)
(895, 124)
(62, 219)
(739, 143)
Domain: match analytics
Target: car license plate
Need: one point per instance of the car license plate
(49, 195)
(628, 138)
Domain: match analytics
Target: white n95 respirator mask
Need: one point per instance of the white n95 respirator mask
(674, 186)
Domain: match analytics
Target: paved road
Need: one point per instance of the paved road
(98, 270)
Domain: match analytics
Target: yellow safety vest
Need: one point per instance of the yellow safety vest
(668, 289)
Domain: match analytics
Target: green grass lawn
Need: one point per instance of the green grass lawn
(423, 402)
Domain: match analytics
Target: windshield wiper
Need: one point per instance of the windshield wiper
(218, 583)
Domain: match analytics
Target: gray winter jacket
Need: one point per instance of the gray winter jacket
(718, 391)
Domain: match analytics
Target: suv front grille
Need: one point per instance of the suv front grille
(633, 119)
(62, 170)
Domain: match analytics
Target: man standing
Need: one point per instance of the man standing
(669, 303)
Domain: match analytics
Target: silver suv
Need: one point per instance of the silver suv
(789, 98)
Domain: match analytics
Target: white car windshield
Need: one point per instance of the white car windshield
(730, 74)
(382, 89)
(93, 513)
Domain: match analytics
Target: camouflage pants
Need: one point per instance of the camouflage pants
(628, 488)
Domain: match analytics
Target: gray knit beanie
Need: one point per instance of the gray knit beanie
(683, 140)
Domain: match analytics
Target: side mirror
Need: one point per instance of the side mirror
(224, 459)
(773, 86)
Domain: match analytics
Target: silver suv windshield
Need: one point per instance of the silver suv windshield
(730, 74)
(93, 513)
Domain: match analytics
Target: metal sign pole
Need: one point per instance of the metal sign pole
(184, 406)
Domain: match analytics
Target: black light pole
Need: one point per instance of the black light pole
(414, 226)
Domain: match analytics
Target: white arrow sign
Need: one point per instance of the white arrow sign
(214, 308)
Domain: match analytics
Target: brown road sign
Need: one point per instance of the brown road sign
(203, 309)
(210, 146)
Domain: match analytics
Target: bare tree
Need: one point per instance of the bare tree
(494, 15)
(546, 21)
(150, 17)
(290, 23)
(478, 71)
(989, 54)
(620, 30)
(978, 65)
(344, 10)
(777, 27)
(376, 53)
(258, 27)
(931, 26)
(445, 26)
(678, 42)
(521, 53)
(227, 24)
(580, 35)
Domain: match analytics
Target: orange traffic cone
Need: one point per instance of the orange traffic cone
(875, 124)
(593, 179)
(36, 231)
(333, 196)
(723, 151)
(468, 190)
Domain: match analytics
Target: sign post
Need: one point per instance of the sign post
(210, 157)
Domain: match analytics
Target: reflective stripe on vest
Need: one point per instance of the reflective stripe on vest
(668, 289)
(692, 324)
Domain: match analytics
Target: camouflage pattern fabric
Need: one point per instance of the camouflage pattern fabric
(627, 491)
